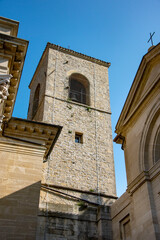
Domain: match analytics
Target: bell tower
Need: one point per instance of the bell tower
(72, 90)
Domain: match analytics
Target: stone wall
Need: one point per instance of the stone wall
(60, 225)
(89, 165)
(40, 78)
(20, 179)
(86, 166)
(63, 217)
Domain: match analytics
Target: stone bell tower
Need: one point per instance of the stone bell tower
(72, 90)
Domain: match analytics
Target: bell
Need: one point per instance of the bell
(74, 97)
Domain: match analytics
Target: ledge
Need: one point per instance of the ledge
(78, 104)
(143, 177)
(31, 132)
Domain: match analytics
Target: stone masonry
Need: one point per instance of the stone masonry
(86, 166)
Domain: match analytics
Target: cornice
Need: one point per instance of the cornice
(10, 24)
(147, 60)
(156, 83)
(31, 132)
(144, 177)
(13, 49)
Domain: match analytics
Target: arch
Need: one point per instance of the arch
(79, 88)
(36, 100)
(149, 148)
(156, 150)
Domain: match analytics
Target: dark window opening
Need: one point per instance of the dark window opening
(78, 137)
(36, 100)
(77, 92)
(79, 89)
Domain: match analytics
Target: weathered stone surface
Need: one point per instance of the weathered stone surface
(85, 166)
(88, 165)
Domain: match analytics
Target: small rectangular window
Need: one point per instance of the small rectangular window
(79, 137)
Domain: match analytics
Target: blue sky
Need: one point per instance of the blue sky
(114, 31)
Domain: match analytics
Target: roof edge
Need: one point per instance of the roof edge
(80, 55)
(142, 66)
(70, 52)
(42, 56)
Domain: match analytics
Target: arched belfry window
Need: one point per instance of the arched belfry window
(79, 88)
(36, 100)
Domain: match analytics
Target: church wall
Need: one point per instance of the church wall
(133, 157)
(140, 147)
(120, 211)
(156, 192)
(73, 164)
(140, 215)
(145, 199)
(143, 226)
(20, 178)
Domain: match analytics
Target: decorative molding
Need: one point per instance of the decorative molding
(11, 146)
(4, 86)
(138, 181)
(31, 132)
(120, 140)
(14, 50)
(144, 177)
(147, 63)
(147, 131)
(9, 24)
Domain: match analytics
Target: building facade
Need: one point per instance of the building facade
(24, 145)
(136, 214)
(62, 186)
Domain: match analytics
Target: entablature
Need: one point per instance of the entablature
(32, 132)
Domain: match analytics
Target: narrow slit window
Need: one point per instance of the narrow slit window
(78, 137)
(36, 101)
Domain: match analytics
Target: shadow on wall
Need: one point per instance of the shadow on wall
(18, 213)
(73, 220)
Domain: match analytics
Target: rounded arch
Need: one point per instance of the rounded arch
(36, 100)
(79, 88)
(156, 149)
(149, 149)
